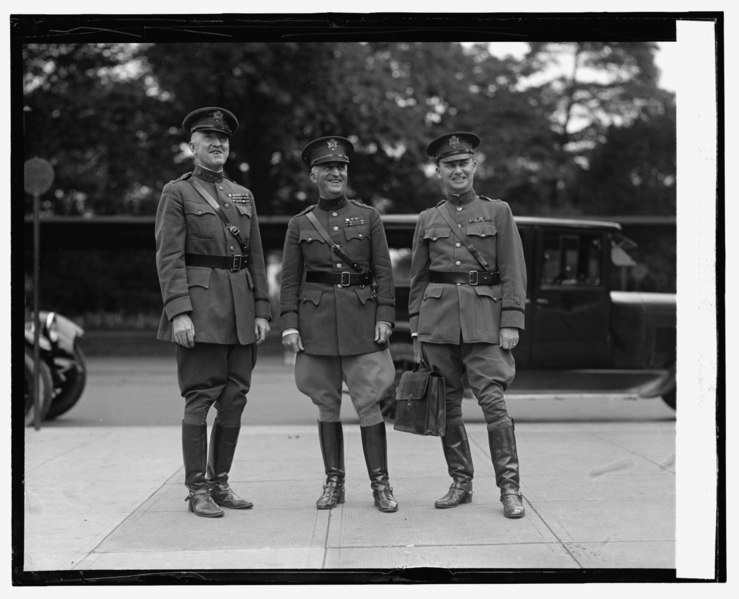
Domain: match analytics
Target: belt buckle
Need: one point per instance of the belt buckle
(348, 279)
(236, 263)
(473, 281)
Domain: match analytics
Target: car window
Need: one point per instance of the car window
(571, 260)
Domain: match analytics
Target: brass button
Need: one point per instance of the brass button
(458, 244)
(459, 208)
(458, 263)
(339, 265)
(334, 214)
(226, 205)
(336, 228)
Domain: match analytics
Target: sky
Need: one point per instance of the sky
(666, 60)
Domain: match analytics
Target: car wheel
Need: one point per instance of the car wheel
(45, 390)
(402, 354)
(75, 378)
(670, 398)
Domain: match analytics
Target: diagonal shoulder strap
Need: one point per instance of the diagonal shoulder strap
(470, 248)
(334, 246)
(233, 229)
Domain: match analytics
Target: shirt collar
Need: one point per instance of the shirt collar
(334, 204)
(464, 198)
(206, 174)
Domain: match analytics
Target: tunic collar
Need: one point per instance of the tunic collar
(334, 204)
(206, 174)
(464, 198)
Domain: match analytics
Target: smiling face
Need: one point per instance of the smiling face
(210, 149)
(457, 174)
(330, 178)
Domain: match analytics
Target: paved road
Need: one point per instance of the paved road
(599, 485)
(130, 391)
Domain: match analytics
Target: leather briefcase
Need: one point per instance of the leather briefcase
(420, 402)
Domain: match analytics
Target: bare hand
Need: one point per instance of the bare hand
(508, 338)
(261, 328)
(184, 330)
(416, 350)
(293, 342)
(382, 332)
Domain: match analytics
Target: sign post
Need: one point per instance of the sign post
(38, 175)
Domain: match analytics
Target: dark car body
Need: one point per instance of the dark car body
(583, 335)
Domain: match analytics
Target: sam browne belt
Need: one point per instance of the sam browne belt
(232, 263)
(345, 279)
(473, 277)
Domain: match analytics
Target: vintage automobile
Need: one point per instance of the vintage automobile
(62, 366)
(583, 335)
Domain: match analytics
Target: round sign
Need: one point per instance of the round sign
(38, 175)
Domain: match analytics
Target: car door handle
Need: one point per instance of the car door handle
(542, 301)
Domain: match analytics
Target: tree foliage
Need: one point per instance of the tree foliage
(594, 137)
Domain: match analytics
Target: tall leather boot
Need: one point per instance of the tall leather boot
(331, 437)
(374, 443)
(223, 441)
(194, 453)
(459, 462)
(502, 441)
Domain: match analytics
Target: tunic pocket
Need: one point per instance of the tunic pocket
(364, 293)
(494, 292)
(201, 220)
(312, 295)
(198, 276)
(436, 233)
(308, 236)
(244, 209)
(432, 292)
(482, 229)
(358, 233)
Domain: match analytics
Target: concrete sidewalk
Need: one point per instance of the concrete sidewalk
(598, 495)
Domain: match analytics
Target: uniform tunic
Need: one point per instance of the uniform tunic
(221, 303)
(459, 324)
(444, 313)
(335, 320)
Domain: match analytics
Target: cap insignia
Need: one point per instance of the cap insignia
(454, 141)
(218, 116)
(332, 144)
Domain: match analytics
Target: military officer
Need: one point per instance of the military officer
(466, 313)
(338, 308)
(216, 308)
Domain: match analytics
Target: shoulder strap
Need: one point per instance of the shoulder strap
(470, 248)
(233, 229)
(334, 246)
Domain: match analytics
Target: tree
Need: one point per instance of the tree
(108, 118)
(89, 113)
(593, 88)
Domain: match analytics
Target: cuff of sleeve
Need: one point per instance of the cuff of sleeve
(289, 320)
(512, 318)
(414, 325)
(386, 313)
(287, 332)
(177, 306)
(263, 310)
